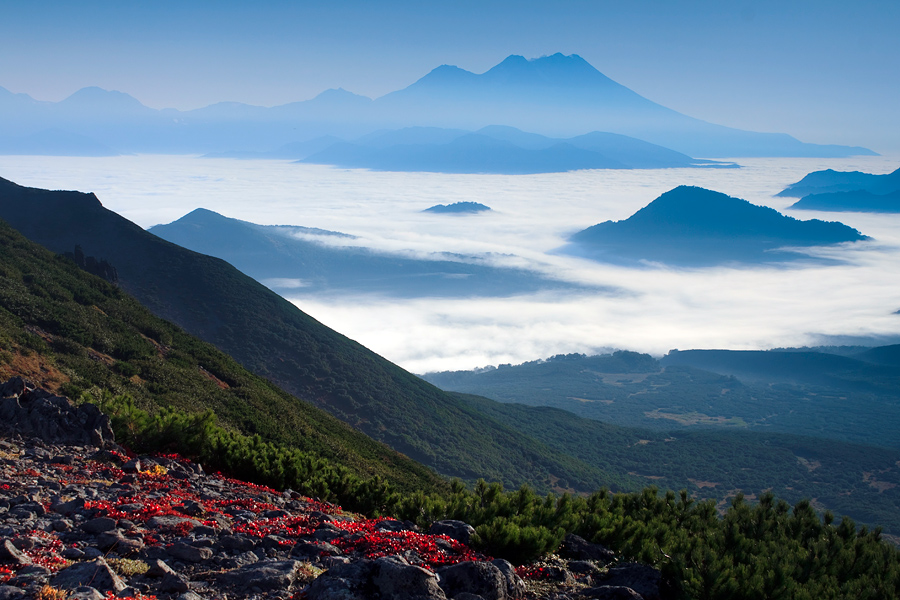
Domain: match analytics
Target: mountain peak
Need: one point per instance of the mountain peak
(95, 98)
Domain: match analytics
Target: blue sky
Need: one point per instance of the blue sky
(824, 71)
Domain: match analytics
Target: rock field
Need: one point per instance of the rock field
(81, 519)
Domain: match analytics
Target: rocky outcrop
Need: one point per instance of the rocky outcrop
(51, 418)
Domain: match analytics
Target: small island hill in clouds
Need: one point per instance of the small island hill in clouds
(555, 96)
(846, 191)
(695, 227)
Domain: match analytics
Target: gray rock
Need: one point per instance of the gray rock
(610, 592)
(351, 581)
(158, 569)
(515, 587)
(173, 583)
(9, 554)
(189, 553)
(394, 578)
(85, 593)
(266, 575)
(8, 592)
(237, 542)
(459, 531)
(171, 521)
(643, 579)
(67, 509)
(579, 548)
(72, 554)
(387, 577)
(96, 573)
(583, 567)
(394, 525)
(51, 418)
(482, 578)
(115, 541)
(98, 525)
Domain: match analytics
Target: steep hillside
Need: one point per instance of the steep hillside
(71, 332)
(272, 338)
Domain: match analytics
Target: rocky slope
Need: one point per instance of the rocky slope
(79, 518)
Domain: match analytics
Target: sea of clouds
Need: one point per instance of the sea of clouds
(652, 310)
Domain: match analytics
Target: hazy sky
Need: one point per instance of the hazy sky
(823, 70)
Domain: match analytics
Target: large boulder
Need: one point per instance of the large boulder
(515, 587)
(475, 577)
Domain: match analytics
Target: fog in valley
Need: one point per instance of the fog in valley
(651, 309)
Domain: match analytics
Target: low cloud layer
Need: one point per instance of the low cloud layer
(658, 308)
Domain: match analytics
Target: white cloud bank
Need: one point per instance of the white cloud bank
(659, 309)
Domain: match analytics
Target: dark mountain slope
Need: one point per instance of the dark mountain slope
(697, 227)
(272, 338)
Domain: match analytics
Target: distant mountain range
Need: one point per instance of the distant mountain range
(846, 191)
(691, 226)
(831, 181)
(498, 149)
(556, 96)
(299, 259)
(856, 201)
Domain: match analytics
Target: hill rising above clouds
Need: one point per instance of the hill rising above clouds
(692, 226)
(831, 181)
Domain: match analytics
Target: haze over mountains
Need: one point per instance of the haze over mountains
(691, 226)
(498, 149)
(288, 258)
(557, 96)
(842, 191)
